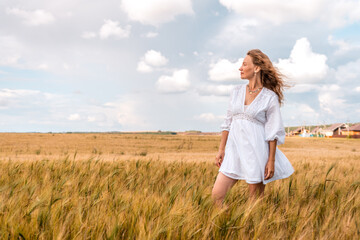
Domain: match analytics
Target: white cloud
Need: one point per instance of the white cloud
(340, 13)
(88, 35)
(301, 88)
(242, 24)
(19, 54)
(349, 73)
(217, 90)
(178, 82)
(14, 98)
(330, 99)
(224, 70)
(275, 11)
(304, 108)
(328, 102)
(74, 117)
(151, 34)
(303, 65)
(32, 18)
(151, 59)
(299, 114)
(155, 58)
(123, 110)
(43, 66)
(332, 12)
(357, 89)
(91, 119)
(237, 30)
(209, 117)
(112, 28)
(10, 51)
(66, 66)
(343, 46)
(10, 60)
(9, 93)
(143, 67)
(57, 110)
(13, 93)
(155, 12)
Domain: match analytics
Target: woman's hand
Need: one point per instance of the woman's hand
(219, 158)
(269, 169)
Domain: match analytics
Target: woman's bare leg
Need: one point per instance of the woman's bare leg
(222, 185)
(256, 190)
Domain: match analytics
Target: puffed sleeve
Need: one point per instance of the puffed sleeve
(225, 126)
(274, 128)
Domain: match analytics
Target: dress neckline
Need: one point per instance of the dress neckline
(244, 96)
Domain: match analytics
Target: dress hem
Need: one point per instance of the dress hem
(279, 177)
(241, 178)
(256, 181)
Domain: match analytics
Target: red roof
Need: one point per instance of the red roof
(334, 127)
(316, 129)
(355, 127)
(298, 129)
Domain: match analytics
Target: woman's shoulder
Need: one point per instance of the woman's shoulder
(268, 92)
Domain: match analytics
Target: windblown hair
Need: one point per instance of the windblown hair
(270, 76)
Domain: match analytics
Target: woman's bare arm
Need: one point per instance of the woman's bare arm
(220, 156)
(272, 150)
(224, 136)
(270, 165)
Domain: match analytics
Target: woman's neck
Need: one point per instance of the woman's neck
(254, 83)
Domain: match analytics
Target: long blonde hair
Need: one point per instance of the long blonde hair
(270, 76)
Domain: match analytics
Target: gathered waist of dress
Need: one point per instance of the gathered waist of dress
(246, 117)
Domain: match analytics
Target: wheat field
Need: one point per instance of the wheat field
(142, 186)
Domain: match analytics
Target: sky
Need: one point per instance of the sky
(169, 65)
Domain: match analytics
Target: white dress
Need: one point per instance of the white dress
(250, 128)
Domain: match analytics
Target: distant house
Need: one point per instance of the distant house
(334, 130)
(316, 130)
(305, 133)
(296, 131)
(353, 130)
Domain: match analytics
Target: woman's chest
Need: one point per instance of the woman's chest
(257, 105)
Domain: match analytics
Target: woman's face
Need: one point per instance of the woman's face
(247, 68)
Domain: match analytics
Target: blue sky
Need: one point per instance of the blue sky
(136, 65)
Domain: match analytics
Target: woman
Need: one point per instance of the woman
(251, 131)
